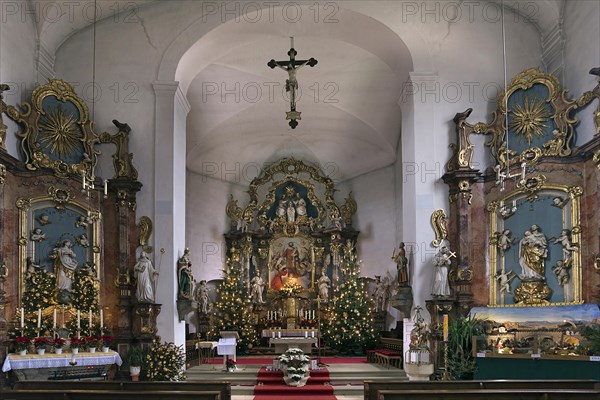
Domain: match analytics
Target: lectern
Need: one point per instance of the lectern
(227, 345)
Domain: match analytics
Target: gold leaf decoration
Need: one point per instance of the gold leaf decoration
(61, 134)
(529, 119)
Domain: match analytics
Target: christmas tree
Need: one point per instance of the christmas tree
(349, 323)
(233, 309)
(84, 289)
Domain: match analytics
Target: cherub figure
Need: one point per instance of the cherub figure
(565, 240)
(504, 279)
(504, 239)
(37, 235)
(83, 240)
(83, 222)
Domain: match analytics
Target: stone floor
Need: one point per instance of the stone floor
(346, 379)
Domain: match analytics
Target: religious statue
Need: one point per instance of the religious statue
(301, 207)
(145, 276)
(83, 240)
(420, 333)
(280, 274)
(504, 279)
(565, 240)
(32, 268)
(292, 258)
(533, 250)
(37, 235)
(65, 264)
(281, 209)
(258, 286)
(441, 262)
(202, 297)
(561, 270)
(292, 67)
(504, 240)
(44, 219)
(401, 265)
(382, 292)
(323, 283)
(83, 222)
(184, 275)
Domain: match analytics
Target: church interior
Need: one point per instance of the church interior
(293, 199)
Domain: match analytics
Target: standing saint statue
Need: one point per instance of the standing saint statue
(441, 262)
(184, 275)
(145, 276)
(324, 282)
(202, 297)
(401, 265)
(533, 250)
(65, 264)
(258, 286)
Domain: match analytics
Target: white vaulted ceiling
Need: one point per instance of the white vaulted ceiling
(349, 100)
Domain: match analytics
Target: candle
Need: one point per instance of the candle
(106, 187)
(273, 334)
(101, 318)
(54, 319)
(78, 320)
(83, 180)
(305, 334)
(90, 321)
(22, 317)
(312, 334)
(313, 313)
(279, 334)
(39, 325)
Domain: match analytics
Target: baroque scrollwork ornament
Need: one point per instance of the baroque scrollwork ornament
(438, 222)
(532, 293)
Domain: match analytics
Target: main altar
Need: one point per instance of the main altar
(287, 245)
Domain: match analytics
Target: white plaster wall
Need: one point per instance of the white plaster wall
(206, 198)
(17, 60)
(582, 53)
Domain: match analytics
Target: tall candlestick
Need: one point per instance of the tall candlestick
(39, 322)
(101, 318)
(105, 187)
(90, 321)
(78, 319)
(54, 319)
(22, 317)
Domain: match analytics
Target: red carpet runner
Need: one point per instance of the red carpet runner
(271, 387)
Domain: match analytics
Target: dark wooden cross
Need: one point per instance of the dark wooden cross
(292, 66)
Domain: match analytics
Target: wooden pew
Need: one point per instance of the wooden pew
(224, 388)
(490, 394)
(108, 395)
(374, 387)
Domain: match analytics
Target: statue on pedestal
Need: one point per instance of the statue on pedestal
(184, 275)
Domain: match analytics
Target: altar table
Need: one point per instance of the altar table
(60, 366)
(282, 344)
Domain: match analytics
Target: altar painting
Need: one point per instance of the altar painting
(291, 261)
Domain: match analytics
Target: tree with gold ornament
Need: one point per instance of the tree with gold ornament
(233, 309)
(349, 325)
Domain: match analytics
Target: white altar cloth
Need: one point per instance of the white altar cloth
(84, 359)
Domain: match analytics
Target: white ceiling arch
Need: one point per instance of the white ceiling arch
(238, 104)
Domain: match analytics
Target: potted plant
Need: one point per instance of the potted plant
(92, 343)
(58, 345)
(40, 344)
(22, 344)
(76, 343)
(230, 365)
(105, 342)
(135, 358)
(461, 363)
(294, 364)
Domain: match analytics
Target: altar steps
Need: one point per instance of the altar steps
(346, 379)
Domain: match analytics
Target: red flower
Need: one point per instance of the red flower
(59, 343)
(76, 343)
(41, 343)
(106, 339)
(22, 342)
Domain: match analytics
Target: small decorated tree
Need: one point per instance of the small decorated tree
(84, 290)
(165, 362)
(233, 310)
(349, 325)
(39, 291)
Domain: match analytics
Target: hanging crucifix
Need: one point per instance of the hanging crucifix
(292, 66)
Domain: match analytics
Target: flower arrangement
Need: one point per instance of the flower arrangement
(59, 343)
(76, 343)
(274, 323)
(106, 340)
(41, 343)
(230, 364)
(22, 343)
(295, 367)
(166, 362)
(91, 341)
(308, 323)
